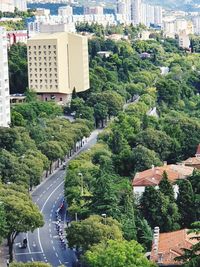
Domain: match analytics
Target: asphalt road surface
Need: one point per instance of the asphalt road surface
(44, 243)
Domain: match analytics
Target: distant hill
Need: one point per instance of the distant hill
(178, 4)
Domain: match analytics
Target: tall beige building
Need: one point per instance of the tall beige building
(58, 63)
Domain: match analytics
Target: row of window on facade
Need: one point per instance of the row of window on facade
(41, 69)
(44, 86)
(42, 52)
(44, 58)
(41, 75)
(43, 63)
(46, 81)
(42, 46)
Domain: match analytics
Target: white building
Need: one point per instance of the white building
(184, 40)
(7, 6)
(20, 5)
(136, 11)
(65, 11)
(4, 81)
(196, 23)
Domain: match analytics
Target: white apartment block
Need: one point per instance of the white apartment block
(196, 23)
(96, 10)
(7, 6)
(136, 11)
(58, 63)
(4, 81)
(20, 5)
(184, 40)
(65, 11)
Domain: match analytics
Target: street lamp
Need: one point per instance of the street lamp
(81, 176)
(104, 216)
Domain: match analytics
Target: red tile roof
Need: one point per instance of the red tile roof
(170, 246)
(154, 175)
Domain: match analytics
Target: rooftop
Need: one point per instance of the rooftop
(153, 176)
(170, 246)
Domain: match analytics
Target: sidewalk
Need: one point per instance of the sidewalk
(3, 254)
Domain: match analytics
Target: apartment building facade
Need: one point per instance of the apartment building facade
(4, 81)
(58, 63)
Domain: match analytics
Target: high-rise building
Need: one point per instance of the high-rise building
(96, 10)
(20, 5)
(4, 81)
(65, 11)
(136, 11)
(196, 23)
(7, 6)
(58, 63)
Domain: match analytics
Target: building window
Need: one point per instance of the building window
(54, 46)
(60, 98)
(45, 98)
(49, 46)
(44, 46)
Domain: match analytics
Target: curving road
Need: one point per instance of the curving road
(44, 243)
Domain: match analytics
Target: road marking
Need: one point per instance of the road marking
(51, 241)
(29, 253)
(38, 231)
(54, 248)
(50, 196)
(51, 235)
(29, 250)
(32, 259)
(60, 261)
(56, 254)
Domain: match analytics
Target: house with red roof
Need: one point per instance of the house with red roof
(153, 176)
(167, 246)
(194, 161)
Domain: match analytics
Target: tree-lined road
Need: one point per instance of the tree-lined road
(44, 243)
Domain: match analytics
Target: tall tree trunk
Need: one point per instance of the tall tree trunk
(10, 247)
(50, 167)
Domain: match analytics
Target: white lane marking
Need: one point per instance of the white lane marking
(38, 232)
(60, 261)
(32, 259)
(54, 248)
(51, 235)
(50, 196)
(56, 254)
(28, 243)
(50, 230)
(29, 253)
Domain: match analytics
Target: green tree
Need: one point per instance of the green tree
(100, 113)
(117, 254)
(158, 210)
(2, 221)
(143, 158)
(17, 62)
(166, 187)
(91, 231)
(52, 150)
(105, 199)
(22, 215)
(186, 203)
